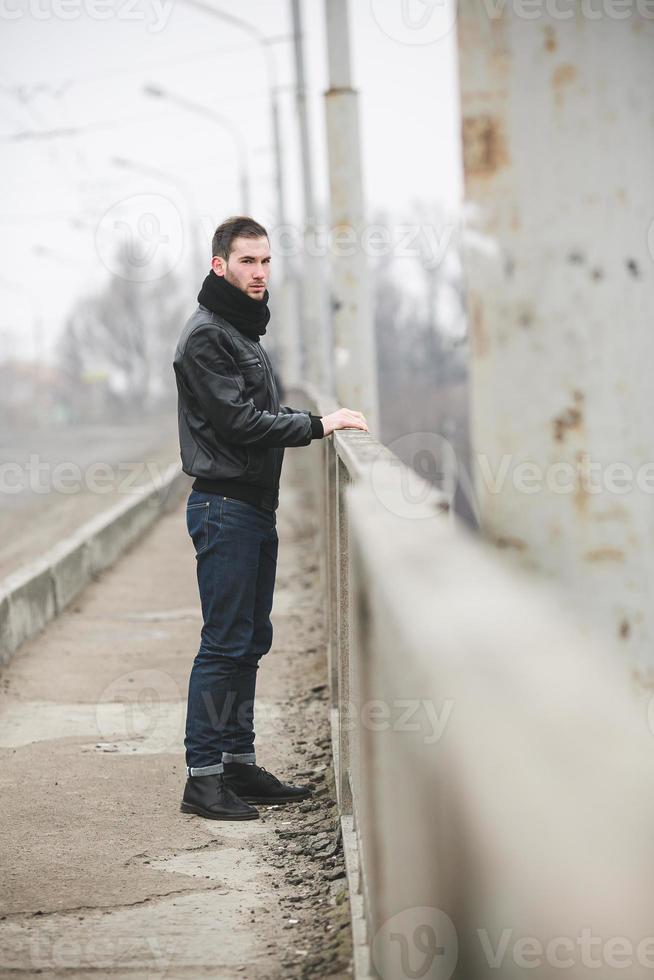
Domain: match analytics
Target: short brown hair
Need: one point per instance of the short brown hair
(236, 227)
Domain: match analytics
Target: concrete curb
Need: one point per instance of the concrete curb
(360, 944)
(37, 593)
(361, 962)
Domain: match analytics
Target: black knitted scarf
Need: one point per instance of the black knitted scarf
(248, 315)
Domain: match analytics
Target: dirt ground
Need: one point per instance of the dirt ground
(102, 873)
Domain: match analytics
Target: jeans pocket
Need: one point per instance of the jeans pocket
(197, 524)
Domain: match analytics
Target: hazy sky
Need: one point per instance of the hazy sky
(73, 103)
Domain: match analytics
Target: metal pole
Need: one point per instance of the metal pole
(245, 191)
(303, 121)
(561, 308)
(288, 323)
(198, 256)
(279, 170)
(287, 332)
(312, 296)
(353, 321)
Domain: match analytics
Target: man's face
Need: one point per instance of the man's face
(248, 265)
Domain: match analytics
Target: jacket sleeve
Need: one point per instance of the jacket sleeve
(317, 428)
(214, 379)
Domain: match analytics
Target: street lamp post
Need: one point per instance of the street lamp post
(148, 170)
(312, 288)
(290, 333)
(244, 178)
(262, 41)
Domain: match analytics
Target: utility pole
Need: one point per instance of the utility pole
(199, 252)
(352, 317)
(285, 337)
(286, 286)
(312, 293)
(240, 144)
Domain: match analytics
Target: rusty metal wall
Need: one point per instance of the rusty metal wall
(558, 139)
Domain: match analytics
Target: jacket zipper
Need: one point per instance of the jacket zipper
(273, 388)
(263, 360)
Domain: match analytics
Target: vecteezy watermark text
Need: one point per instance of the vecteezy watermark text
(67, 477)
(564, 477)
(565, 952)
(422, 22)
(155, 13)
(47, 952)
(422, 942)
(427, 241)
(420, 716)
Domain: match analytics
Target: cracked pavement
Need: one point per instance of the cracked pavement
(102, 874)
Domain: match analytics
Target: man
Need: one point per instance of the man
(232, 433)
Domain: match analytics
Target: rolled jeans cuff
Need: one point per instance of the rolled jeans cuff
(205, 770)
(239, 757)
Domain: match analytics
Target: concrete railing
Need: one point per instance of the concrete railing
(495, 773)
(38, 592)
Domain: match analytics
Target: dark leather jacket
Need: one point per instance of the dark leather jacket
(232, 429)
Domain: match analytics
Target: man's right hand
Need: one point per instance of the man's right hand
(343, 418)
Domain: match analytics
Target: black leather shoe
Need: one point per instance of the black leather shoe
(209, 796)
(256, 785)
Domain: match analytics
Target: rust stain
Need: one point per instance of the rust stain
(645, 681)
(571, 418)
(624, 629)
(484, 146)
(615, 513)
(582, 490)
(479, 335)
(562, 77)
(507, 542)
(604, 554)
(550, 40)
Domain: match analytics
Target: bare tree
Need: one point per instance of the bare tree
(422, 363)
(127, 331)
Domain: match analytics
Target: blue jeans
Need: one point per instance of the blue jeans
(236, 554)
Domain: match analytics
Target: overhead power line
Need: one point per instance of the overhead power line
(67, 131)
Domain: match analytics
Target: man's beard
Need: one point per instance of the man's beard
(233, 281)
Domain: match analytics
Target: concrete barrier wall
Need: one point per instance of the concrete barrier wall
(506, 769)
(37, 593)
(495, 771)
